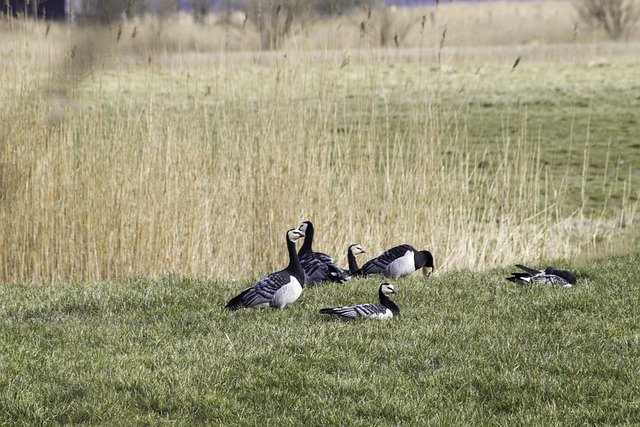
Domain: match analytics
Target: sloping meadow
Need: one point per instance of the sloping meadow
(469, 348)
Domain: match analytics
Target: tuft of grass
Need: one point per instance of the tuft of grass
(470, 348)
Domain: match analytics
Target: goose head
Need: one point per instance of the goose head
(356, 250)
(294, 234)
(427, 268)
(305, 226)
(387, 289)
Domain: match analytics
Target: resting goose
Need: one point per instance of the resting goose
(398, 261)
(277, 289)
(549, 276)
(352, 253)
(317, 266)
(385, 310)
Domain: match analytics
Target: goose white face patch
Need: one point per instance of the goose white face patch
(294, 235)
(357, 250)
(388, 290)
(303, 227)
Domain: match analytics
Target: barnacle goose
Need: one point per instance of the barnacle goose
(399, 261)
(385, 310)
(276, 289)
(352, 253)
(549, 276)
(317, 266)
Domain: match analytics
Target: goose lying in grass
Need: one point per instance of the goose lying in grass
(398, 261)
(317, 266)
(277, 289)
(549, 276)
(386, 309)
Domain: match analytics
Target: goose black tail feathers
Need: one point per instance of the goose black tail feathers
(531, 271)
(237, 301)
(517, 278)
(338, 274)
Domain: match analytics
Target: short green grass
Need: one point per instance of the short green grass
(470, 348)
(571, 111)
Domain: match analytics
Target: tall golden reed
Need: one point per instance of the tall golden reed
(159, 164)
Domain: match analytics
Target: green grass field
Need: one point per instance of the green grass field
(470, 348)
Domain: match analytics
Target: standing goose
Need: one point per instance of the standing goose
(352, 253)
(276, 289)
(549, 276)
(317, 266)
(385, 310)
(399, 261)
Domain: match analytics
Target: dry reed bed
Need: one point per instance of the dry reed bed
(172, 167)
(204, 180)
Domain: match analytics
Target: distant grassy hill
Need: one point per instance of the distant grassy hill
(471, 348)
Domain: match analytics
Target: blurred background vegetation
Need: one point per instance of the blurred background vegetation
(276, 19)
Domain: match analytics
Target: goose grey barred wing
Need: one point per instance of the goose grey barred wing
(541, 278)
(549, 279)
(261, 293)
(565, 275)
(337, 274)
(314, 270)
(530, 275)
(355, 311)
(379, 264)
(319, 267)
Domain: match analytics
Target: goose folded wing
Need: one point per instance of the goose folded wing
(380, 263)
(263, 290)
(530, 271)
(549, 279)
(313, 267)
(333, 270)
(320, 267)
(355, 311)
